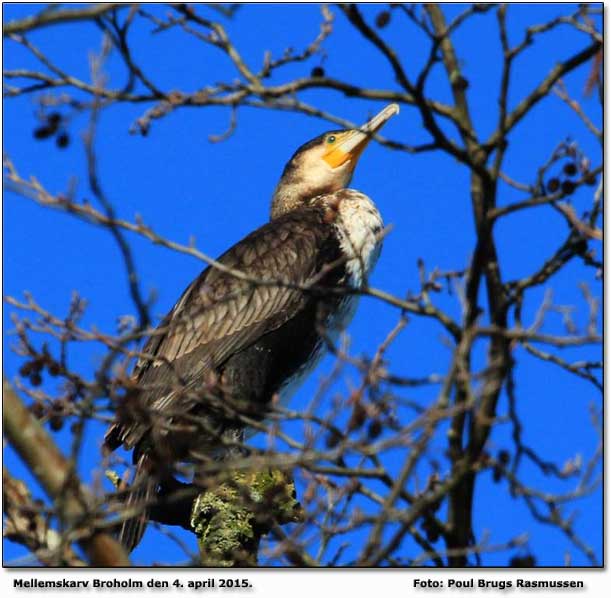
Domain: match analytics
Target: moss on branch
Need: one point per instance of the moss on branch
(230, 519)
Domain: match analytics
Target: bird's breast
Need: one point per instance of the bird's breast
(358, 225)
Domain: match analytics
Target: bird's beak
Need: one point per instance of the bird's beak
(350, 145)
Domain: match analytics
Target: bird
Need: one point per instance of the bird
(248, 330)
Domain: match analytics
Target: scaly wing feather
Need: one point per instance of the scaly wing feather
(219, 314)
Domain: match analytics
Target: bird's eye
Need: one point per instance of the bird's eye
(331, 139)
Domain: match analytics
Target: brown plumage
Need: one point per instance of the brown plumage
(220, 315)
(231, 343)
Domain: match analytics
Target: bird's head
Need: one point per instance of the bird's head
(325, 164)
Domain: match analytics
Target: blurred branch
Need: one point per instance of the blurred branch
(57, 16)
(58, 478)
(26, 523)
(561, 91)
(582, 227)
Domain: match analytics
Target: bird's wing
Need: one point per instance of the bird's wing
(220, 314)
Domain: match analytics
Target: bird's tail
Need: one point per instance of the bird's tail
(138, 499)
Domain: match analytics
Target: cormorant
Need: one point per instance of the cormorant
(233, 342)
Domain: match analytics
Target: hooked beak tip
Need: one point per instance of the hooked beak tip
(352, 147)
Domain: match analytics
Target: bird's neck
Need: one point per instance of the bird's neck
(295, 193)
(286, 199)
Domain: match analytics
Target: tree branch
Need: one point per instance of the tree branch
(55, 474)
(47, 17)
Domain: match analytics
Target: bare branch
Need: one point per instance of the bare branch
(58, 479)
(47, 17)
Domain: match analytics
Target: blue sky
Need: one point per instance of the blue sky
(184, 186)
